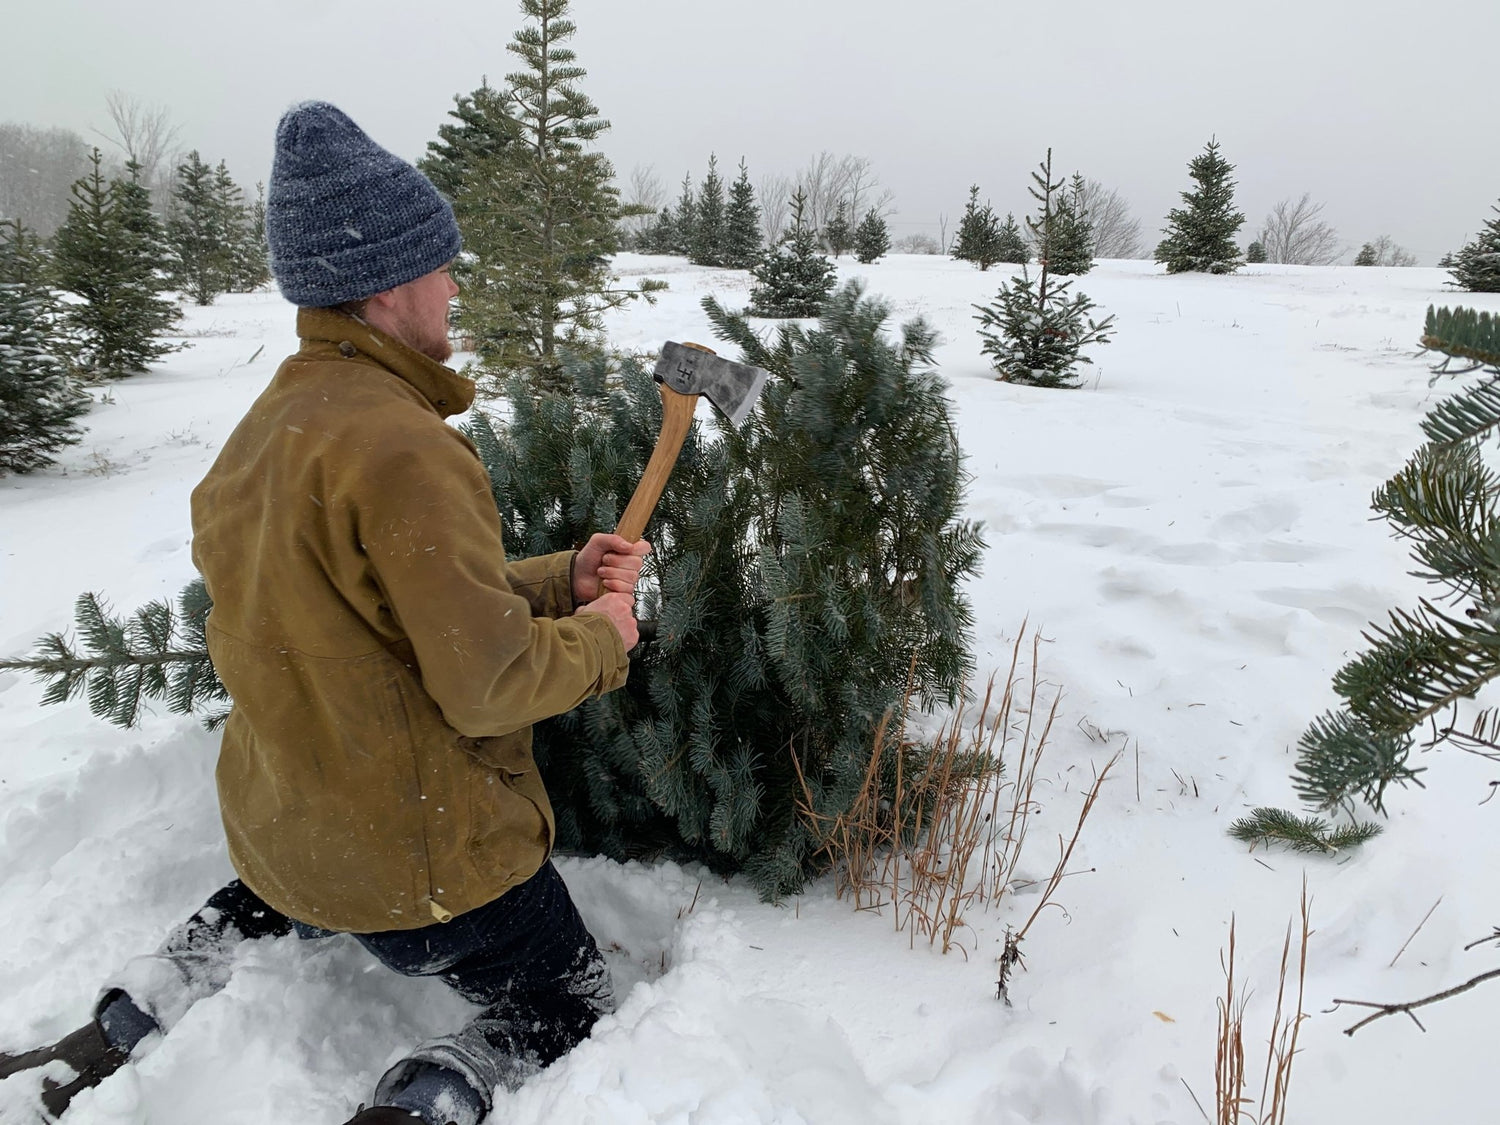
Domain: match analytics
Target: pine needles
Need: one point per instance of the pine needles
(1309, 834)
(156, 653)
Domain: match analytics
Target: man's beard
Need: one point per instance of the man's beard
(419, 338)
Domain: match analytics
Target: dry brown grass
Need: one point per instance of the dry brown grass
(1232, 1105)
(939, 829)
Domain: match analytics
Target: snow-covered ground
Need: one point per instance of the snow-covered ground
(1191, 533)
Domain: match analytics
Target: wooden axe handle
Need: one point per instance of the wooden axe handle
(676, 417)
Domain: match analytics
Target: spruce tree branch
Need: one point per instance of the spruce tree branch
(1409, 1006)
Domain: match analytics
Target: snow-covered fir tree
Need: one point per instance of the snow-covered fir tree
(1255, 253)
(1035, 331)
(1477, 266)
(838, 235)
(872, 239)
(110, 251)
(1200, 234)
(707, 245)
(39, 403)
(793, 278)
(1010, 243)
(742, 236)
(978, 238)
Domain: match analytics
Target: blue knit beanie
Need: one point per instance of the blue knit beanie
(345, 218)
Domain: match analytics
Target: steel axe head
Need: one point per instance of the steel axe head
(731, 387)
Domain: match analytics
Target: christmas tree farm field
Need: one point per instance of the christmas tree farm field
(1190, 533)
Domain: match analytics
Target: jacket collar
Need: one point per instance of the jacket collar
(326, 332)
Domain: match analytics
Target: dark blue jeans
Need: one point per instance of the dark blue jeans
(526, 956)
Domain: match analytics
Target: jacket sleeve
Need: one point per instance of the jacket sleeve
(428, 525)
(546, 581)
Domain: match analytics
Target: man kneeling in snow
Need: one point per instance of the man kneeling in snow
(386, 662)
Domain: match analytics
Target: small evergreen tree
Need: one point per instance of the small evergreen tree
(1010, 243)
(1034, 331)
(978, 238)
(252, 263)
(1067, 243)
(110, 252)
(707, 247)
(742, 237)
(685, 229)
(1477, 266)
(202, 246)
(1366, 256)
(1256, 253)
(38, 402)
(871, 240)
(838, 235)
(1200, 235)
(1423, 665)
(794, 278)
(658, 236)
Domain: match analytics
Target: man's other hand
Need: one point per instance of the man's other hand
(608, 564)
(620, 609)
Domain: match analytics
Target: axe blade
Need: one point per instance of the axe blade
(731, 387)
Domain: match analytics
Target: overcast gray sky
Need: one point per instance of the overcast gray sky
(1386, 111)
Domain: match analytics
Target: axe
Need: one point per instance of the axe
(684, 372)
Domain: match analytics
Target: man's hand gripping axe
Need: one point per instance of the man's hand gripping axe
(684, 372)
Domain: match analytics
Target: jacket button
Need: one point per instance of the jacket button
(442, 402)
(348, 350)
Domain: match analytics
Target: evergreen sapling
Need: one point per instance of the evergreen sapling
(978, 238)
(1010, 243)
(838, 235)
(707, 246)
(871, 238)
(793, 278)
(742, 237)
(1035, 332)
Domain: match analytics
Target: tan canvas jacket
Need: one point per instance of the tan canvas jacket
(386, 662)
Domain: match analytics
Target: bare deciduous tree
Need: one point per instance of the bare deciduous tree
(775, 193)
(144, 133)
(1116, 233)
(37, 166)
(1389, 253)
(829, 180)
(916, 244)
(1294, 235)
(644, 197)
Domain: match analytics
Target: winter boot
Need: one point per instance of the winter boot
(87, 1053)
(384, 1115)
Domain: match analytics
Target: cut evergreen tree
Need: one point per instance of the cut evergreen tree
(1200, 234)
(1035, 331)
(1010, 243)
(537, 208)
(793, 278)
(978, 238)
(1423, 666)
(1477, 266)
(810, 566)
(707, 248)
(838, 235)
(38, 401)
(742, 237)
(110, 251)
(1066, 243)
(1256, 253)
(871, 238)
(202, 232)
